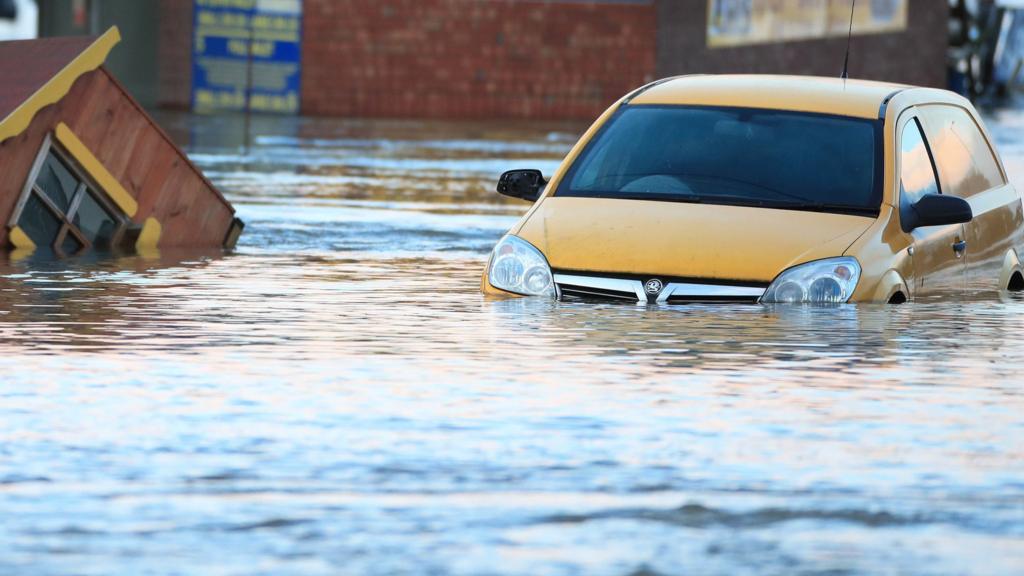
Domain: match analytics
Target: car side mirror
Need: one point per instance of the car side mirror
(522, 184)
(939, 210)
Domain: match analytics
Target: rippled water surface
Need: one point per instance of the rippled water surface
(337, 398)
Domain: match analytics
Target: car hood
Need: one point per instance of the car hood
(684, 240)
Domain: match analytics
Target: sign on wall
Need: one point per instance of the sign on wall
(740, 22)
(247, 48)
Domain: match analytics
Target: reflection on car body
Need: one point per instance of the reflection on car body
(768, 189)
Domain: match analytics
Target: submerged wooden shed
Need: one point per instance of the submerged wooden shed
(83, 166)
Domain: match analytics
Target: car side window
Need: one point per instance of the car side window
(966, 163)
(917, 172)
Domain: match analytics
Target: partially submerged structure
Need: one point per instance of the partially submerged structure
(83, 166)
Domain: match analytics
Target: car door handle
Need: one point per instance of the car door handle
(960, 247)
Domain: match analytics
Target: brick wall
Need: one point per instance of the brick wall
(175, 54)
(473, 58)
(915, 56)
(545, 59)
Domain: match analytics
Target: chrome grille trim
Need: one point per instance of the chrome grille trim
(634, 287)
(710, 291)
(624, 288)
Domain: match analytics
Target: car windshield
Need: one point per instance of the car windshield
(768, 158)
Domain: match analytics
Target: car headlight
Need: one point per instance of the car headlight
(516, 266)
(830, 281)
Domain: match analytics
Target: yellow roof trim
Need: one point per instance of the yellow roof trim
(106, 181)
(20, 240)
(58, 87)
(149, 238)
(22, 244)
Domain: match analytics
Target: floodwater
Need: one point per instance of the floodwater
(336, 397)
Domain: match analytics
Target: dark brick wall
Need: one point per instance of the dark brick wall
(915, 56)
(175, 54)
(473, 58)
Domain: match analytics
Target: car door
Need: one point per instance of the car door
(937, 251)
(969, 168)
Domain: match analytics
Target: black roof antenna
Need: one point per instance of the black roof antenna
(849, 36)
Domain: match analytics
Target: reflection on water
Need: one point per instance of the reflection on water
(336, 397)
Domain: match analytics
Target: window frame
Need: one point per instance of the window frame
(913, 116)
(916, 120)
(924, 119)
(85, 183)
(983, 131)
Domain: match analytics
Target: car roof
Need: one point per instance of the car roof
(859, 98)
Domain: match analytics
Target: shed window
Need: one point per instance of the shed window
(61, 210)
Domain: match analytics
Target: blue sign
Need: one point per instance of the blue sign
(247, 53)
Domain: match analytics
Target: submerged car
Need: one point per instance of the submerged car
(768, 189)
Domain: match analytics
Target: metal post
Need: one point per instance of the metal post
(94, 18)
(1015, 80)
(248, 85)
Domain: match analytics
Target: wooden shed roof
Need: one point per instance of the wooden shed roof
(37, 73)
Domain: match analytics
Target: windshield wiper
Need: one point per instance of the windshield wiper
(685, 198)
(742, 182)
(832, 208)
(721, 199)
(729, 200)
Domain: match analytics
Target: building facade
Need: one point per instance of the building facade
(545, 59)
(902, 41)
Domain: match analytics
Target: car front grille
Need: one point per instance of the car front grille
(585, 292)
(674, 291)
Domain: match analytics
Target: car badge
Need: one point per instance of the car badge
(654, 287)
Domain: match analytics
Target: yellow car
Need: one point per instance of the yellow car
(768, 189)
